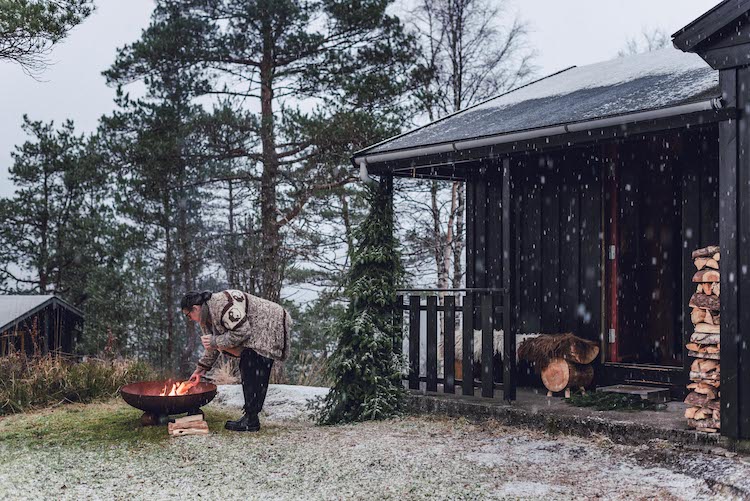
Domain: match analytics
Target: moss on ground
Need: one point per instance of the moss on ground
(603, 401)
(112, 422)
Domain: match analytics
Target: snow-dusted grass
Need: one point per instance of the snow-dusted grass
(409, 458)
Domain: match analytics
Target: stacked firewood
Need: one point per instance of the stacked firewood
(563, 360)
(704, 411)
(188, 425)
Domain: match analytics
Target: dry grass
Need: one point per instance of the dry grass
(226, 370)
(29, 383)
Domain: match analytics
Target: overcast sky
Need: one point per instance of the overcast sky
(564, 33)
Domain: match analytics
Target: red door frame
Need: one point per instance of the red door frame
(611, 266)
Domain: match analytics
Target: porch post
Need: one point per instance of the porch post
(734, 241)
(509, 297)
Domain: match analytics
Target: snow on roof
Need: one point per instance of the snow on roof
(658, 79)
(15, 306)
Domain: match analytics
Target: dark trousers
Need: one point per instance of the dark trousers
(255, 370)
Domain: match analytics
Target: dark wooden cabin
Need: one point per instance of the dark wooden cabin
(588, 189)
(38, 324)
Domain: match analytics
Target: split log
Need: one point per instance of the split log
(700, 262)
(711, 250)
(698, 400)
(708, 365)
(704, 301)
(189, 419)
(700, 366)
(189, 425)
(698, 315)
(707, 328)
(705, 389)
(713, 263)
(716, 289)
(703, 413)
(712, 349)
(706, 288)
(712, 378)
(710, 356)
(717, 256)
(705, 338)
(705, 424)
(560, 374)
(706, 275)
(194, 427)
(189, 431)
(690, 412)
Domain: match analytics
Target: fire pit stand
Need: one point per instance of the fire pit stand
(157, 409)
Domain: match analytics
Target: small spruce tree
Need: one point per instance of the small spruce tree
(365, 370)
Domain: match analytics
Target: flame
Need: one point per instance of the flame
(177, 389)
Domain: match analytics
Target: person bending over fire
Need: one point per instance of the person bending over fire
(254, 329)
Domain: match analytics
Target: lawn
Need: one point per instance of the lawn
(100, 451)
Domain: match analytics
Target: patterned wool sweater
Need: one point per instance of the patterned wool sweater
(236, 319)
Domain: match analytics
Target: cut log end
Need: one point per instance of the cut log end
(560, 374)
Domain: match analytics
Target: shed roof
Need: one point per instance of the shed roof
(16, 308)
(643, 82)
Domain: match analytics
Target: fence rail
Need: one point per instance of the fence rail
(483, 309)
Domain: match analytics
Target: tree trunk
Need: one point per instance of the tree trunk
(232, 248)
(561, 374)
(460, 191)
(187, 282)
(270, 286)
(168, 280)
(438, 244)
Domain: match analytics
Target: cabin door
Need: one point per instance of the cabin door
(643, 259)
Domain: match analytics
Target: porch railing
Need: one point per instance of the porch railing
(472, 309)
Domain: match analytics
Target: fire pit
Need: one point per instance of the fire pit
(153, 398)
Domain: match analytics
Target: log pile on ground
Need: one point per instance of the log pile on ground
(704, 405)
(563, 360)
(188, 425)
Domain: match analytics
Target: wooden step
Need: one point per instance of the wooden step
(654, 394)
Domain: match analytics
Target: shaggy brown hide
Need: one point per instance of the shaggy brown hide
(540, 350)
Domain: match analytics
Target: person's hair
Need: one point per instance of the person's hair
(195, 298)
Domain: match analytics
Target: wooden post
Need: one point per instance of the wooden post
(449, 344)
(432, 343)
(510, 283)
(467, 378)
(398, 338)
(488, 385)
(414, 318)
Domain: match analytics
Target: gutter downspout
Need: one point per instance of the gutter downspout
(364, 176)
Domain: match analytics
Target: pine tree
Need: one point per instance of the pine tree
(365, 369)
(30, 28)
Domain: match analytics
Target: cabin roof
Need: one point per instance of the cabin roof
(16, 308)
(642, 82)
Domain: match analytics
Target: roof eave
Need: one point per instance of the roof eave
(690, 37)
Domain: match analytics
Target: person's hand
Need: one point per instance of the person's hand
(206, 341)
(197, 373)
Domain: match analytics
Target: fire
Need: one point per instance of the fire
(177, 389)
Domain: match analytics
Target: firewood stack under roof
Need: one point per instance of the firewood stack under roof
(704, 409)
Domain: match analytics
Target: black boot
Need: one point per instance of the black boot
(248, 422)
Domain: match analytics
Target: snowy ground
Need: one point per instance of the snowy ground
(283, 402)
(410, 458)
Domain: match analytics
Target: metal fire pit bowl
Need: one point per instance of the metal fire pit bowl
(145, 396)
